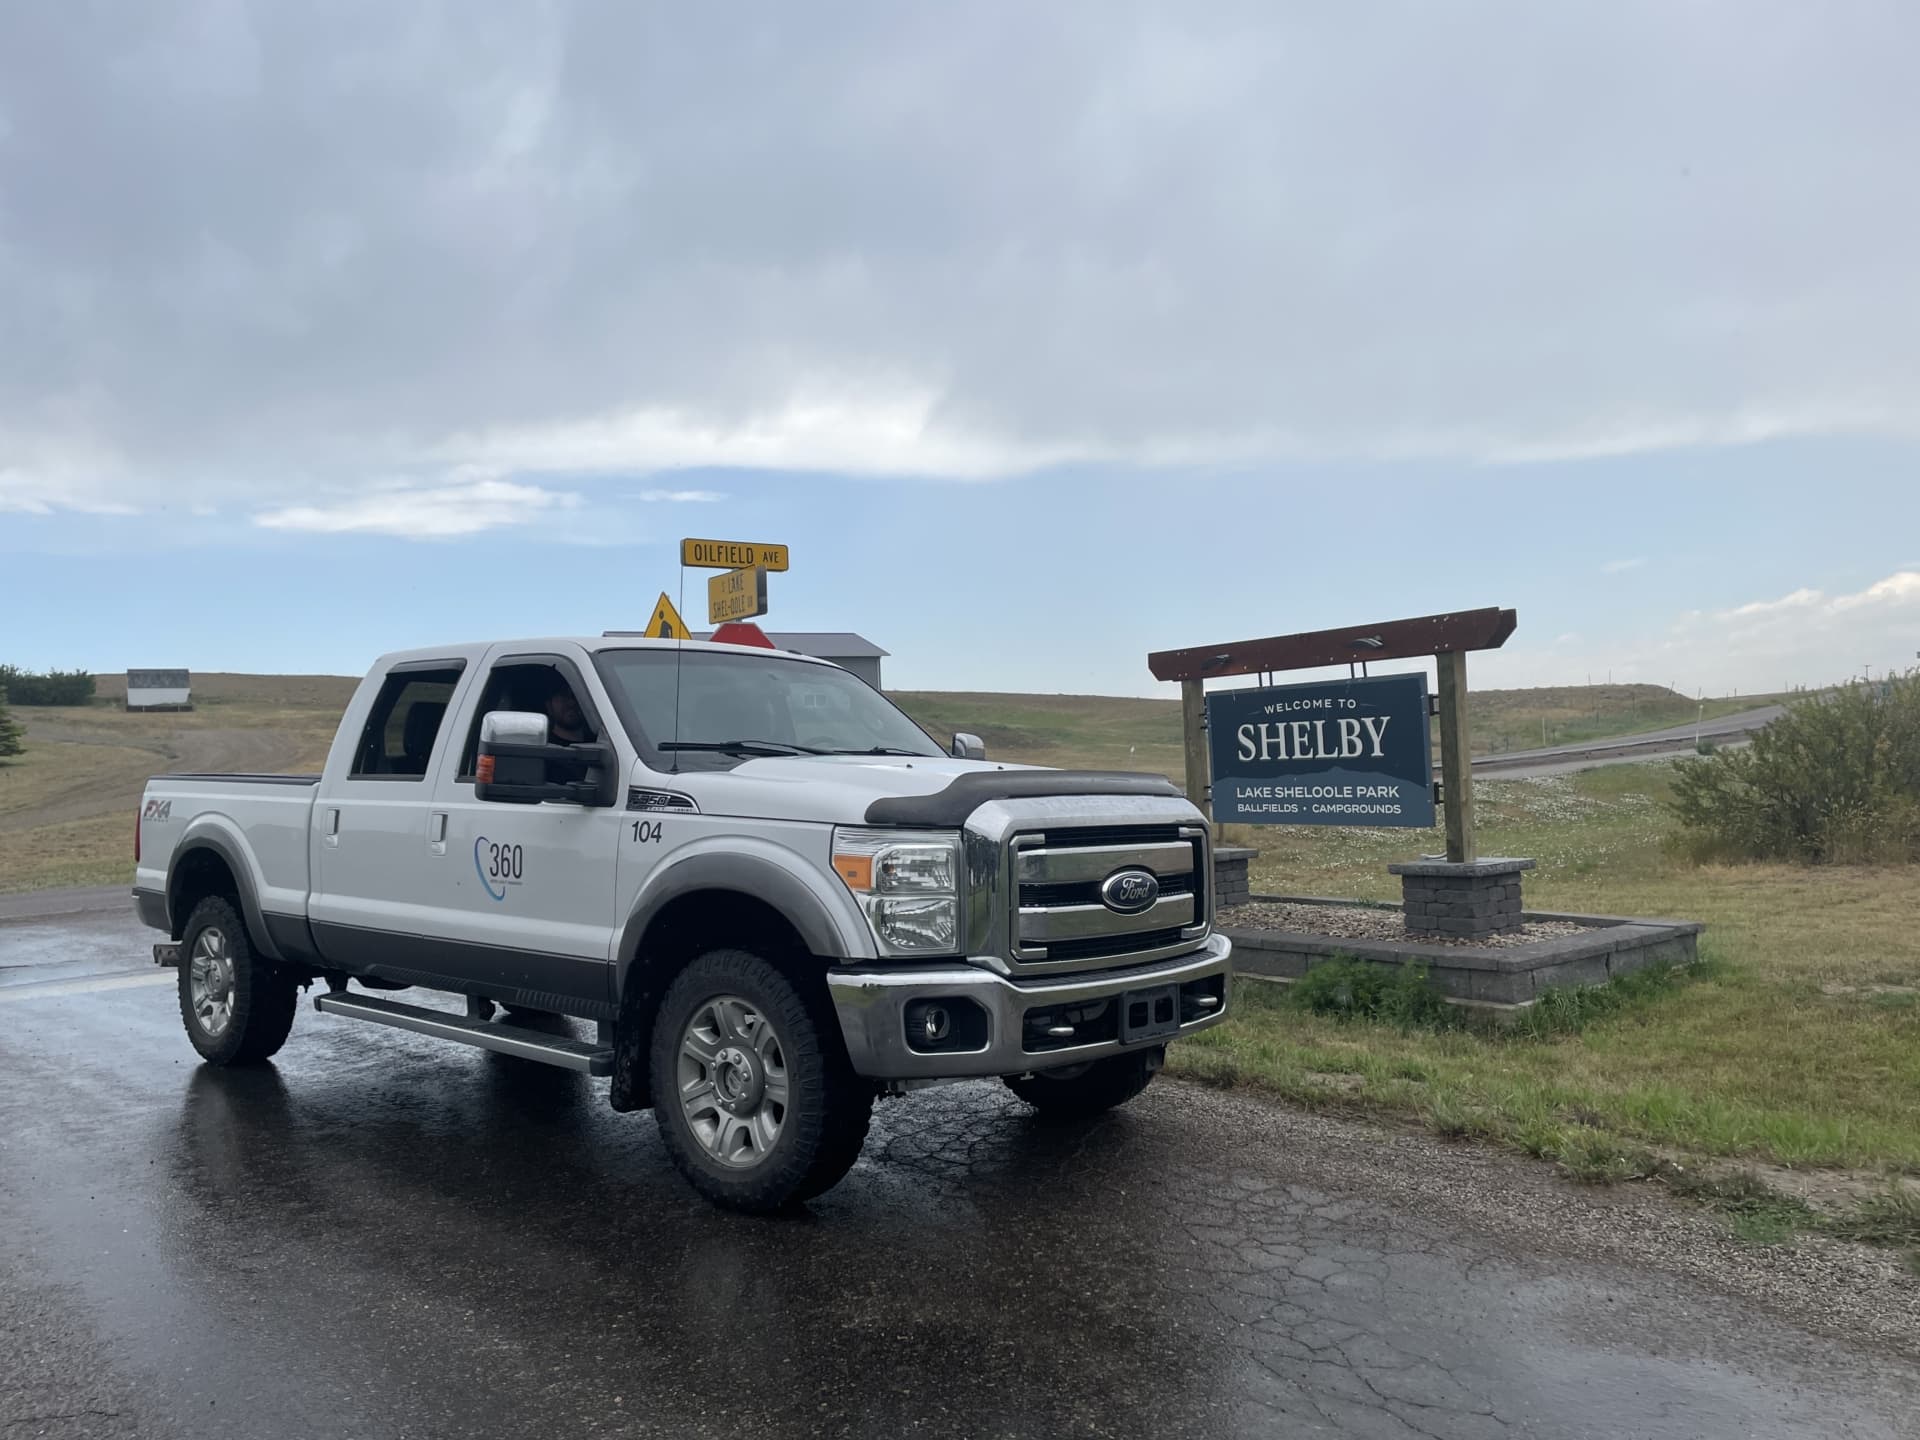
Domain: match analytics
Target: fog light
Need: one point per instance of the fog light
(946, 1024)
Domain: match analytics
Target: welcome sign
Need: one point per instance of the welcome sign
(1346, 752)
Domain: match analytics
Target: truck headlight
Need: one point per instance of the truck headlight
(908, 883)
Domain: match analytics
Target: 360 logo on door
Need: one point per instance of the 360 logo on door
(498, 866)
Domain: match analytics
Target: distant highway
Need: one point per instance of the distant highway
(1649, 745)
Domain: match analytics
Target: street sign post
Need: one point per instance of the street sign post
(1340, 752)
(737, 595)
(665, 623)
(731, 555)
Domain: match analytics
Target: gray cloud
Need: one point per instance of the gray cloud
(253, 251)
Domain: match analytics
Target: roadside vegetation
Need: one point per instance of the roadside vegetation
(1835, 780)
(53, 687)
(1793, 1047)
(13, 740)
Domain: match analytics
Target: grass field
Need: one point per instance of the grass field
(1796, 1044)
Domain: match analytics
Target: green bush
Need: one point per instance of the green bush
(55, 687)
(12, 742)
(1349, 989)
(1835, 779)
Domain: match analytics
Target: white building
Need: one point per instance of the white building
(158, 690)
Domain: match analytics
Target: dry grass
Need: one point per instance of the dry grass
(1105, 732)
(67, 804)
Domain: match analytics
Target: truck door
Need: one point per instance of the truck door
(526, 892)
(368, 902)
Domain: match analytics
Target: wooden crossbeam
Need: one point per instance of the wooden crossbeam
(1424, 635)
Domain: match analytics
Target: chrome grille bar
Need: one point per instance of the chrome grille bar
(1051, 866)
(1038, 926)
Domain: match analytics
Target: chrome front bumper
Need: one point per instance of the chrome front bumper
(871, 1003)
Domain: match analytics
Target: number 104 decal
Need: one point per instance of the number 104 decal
(646, 832)
(498, 866)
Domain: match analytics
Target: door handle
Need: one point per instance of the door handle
(332, 836)
(437, 832)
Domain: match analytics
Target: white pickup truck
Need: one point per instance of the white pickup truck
(772, 894)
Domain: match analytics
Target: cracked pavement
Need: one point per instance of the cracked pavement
(384, 1235)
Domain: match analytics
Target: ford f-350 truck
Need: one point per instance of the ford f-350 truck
(773, 895)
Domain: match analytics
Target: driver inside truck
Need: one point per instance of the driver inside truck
(566, 725)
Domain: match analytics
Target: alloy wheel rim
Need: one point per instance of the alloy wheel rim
(732, 1074)
(210, 980)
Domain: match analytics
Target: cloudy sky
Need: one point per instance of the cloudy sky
(1046, 335)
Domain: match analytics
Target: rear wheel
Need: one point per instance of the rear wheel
(752, 1091)
(237, 1006)
(1075, 1092)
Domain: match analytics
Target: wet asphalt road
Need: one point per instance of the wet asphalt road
(383, 1235)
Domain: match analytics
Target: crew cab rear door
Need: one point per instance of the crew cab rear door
(371, 894)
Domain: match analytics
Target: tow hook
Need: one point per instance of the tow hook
(167, 952)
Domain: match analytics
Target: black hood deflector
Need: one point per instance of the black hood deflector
(949, 808)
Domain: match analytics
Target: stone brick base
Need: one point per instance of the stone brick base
(1480, 898)
(1230, 886)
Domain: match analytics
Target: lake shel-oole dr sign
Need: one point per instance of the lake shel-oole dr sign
(1343, 752)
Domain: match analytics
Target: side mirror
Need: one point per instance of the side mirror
(968, 747)
(518, 766)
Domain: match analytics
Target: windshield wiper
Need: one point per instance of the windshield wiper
(886, 750)
(743, 747)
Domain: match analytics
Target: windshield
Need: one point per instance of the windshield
(762, 703)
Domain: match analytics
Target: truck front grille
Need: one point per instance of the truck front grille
(1060, 920)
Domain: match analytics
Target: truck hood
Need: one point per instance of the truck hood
(822, 789)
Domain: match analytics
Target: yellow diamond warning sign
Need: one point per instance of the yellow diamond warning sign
(666, 623)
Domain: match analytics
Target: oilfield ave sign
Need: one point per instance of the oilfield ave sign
(737, 595)
(1341, 752)
(731, 555)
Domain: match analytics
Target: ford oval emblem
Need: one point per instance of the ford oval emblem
(1128, 892)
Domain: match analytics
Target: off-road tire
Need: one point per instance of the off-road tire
(828, 1105)
(1101, 1086)
(264, 997)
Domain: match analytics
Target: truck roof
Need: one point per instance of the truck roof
(474, 650)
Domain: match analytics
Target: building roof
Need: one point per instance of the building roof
(825, 644)
(157, 679)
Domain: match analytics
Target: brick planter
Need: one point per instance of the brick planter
(1481, 897)
(1230, 883)
(1510, 977)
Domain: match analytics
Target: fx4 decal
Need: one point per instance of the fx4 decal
(157, 810)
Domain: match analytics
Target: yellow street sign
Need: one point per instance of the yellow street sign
(737, 595)
(666, 623)
(731, 555)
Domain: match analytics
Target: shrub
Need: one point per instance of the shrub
(55, 687)
(1835, 779)
(12, 742)
(1349, 989)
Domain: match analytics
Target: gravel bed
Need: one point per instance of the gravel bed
(1370, 922)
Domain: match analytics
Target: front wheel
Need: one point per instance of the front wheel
(753, 1093)
(237, 1006)
(1076, 1092)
